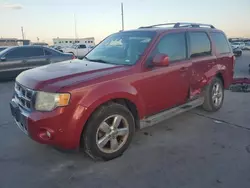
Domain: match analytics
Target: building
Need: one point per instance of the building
(63, 42)
(13, 42)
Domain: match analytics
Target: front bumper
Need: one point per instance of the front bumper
(63, 128)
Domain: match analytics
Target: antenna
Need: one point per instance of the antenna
(122, 17)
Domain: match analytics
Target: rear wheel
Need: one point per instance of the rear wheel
(108, 132)
(214, 95)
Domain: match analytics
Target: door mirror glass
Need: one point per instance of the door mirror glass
(161, 60)
(3, 58)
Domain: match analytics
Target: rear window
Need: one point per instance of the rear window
(221, 42)
(200, 44)
(82, 46)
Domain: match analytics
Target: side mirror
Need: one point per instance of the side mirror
(161, 60)
(3, 58)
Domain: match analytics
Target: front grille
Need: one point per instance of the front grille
(24, 96)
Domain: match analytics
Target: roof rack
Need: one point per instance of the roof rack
(179, 25)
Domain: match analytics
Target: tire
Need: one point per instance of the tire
(93, 132)
(210, 104)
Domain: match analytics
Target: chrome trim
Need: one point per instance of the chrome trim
(25, 114)
(25, 94)
(21, 127)
(16, 69)
(162, 116)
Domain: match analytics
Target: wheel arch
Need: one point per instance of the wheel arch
(220, 76)
(129, 104)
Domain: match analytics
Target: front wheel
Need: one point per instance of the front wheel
(214, 95)
(108, 132)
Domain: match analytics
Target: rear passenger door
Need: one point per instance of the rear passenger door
(224, 55)
(202, 57)
(35, 56)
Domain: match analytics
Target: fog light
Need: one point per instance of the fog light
(48, 134)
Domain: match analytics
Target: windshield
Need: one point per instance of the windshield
(123, 48)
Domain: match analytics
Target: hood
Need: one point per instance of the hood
(55, 76)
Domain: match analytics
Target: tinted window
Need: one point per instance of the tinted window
(199, 44)
(34, 52)
(25, 52)
(82, 46)
(221, 43)
(173, 45)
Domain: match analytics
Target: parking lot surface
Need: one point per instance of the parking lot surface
(242, 66)
(193, 150)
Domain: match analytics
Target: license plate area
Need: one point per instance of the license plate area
(19, 117)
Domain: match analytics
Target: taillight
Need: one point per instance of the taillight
(73, 57)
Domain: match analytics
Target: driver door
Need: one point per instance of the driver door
(167, 87)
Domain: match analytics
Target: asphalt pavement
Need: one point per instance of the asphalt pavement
(242, 65)
(193, 150)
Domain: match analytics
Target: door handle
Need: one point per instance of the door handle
(183, 69)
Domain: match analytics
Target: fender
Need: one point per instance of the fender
(101, 93)
(213, 72)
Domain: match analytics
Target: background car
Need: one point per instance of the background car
(79, 50)
(241, 45)
(247, 46)
(236, 50)
(14, 60)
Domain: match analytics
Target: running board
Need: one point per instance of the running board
(162, 116)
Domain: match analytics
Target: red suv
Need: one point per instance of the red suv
(131, 80)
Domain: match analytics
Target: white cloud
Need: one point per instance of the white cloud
(12, 6)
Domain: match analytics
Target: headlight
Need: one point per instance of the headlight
(49, 101)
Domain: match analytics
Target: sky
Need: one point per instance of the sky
(47, 19)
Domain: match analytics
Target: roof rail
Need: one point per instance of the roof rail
(179, 25)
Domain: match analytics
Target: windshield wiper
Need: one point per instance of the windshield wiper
(98, 60)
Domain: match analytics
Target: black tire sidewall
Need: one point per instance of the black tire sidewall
(89, 136)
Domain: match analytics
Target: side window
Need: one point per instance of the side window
(15, 53)
(200, 44)
(82, 46)
(34, 52)
(173, 45)
(221, 43)
(25, 53)
(47, 52)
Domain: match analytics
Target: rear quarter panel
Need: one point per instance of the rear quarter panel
(224, 63)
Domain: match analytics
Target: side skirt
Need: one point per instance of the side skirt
(162, 116)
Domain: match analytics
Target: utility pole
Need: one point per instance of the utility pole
(75, 27)
(22, 32)
(122, 17)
